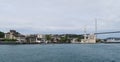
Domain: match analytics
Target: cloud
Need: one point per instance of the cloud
(59, 16)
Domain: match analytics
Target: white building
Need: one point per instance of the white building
(113, 40)
(89, 39)
(41, 38)
(75, 40)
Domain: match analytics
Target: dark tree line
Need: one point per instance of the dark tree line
(2, 34)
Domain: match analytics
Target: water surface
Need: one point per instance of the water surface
(60, 53)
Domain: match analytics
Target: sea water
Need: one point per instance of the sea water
(60, 53)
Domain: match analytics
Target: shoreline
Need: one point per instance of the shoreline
(16, 43)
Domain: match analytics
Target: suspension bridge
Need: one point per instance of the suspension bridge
(107, 32)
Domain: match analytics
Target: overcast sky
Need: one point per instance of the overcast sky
(59, 16)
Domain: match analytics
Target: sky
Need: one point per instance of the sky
(59, 16)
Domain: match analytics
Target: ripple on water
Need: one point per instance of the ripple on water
(60, 53)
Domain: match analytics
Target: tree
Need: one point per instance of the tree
(64, 39)
(80, 37)
(98, 40)
(2, 34)
(48, 37)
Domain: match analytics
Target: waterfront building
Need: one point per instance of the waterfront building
(21, 38)
(11, 35)
(31, 38)
(55, 38)
(74, 40)
(91, 38)
(41, 38)
(15, 35)
(36, 38)
(113, 40)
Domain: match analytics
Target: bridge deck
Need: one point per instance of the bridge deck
(105, 32)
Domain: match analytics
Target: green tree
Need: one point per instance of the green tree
(48, 37)
(65, 39)
(80, 37)
(98, 40)
(12, 40)
(2, 34)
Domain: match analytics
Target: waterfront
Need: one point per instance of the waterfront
(60, 53)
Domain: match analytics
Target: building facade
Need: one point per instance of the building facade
(15, 35)
(91, 38)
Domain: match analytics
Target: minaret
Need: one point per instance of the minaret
(95, 29)
(95, 25)
(85, 35)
